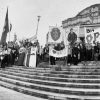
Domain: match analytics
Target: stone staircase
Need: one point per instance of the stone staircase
(56, 83)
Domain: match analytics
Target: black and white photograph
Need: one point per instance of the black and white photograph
(49, 49)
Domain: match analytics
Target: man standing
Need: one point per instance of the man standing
(72, 37)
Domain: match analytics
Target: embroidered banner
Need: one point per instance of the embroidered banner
(92, 35)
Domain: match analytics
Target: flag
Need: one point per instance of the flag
(5, 29)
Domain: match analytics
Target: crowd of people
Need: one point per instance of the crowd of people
(8, 56)
(82, 52)
(78, 52)
(15, 54)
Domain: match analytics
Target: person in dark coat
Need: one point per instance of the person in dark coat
(88, 52)
(96, 52)
(69, 57)
(82, 51)
(52, 60)
(21, 56)
(72, 37)
(75, 52)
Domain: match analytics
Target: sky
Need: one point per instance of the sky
(23, 15)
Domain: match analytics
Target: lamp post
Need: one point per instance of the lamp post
(38, 24)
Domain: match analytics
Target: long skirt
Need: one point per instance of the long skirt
(32, 61)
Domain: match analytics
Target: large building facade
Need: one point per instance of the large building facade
(88, 18)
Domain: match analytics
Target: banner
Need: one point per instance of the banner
(92, 35)
(58, 54)
(75, 30)
(55, 35)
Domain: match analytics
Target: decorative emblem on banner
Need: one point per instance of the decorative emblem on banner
(55, 34)
(59, 46)
(89, 38)
(56, 53)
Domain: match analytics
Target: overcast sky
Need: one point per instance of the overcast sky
(23, 15)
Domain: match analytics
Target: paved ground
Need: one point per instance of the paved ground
(7, 94)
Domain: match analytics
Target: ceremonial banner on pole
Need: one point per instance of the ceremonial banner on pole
(55, 35)
(58, 54)
(92, 35)
(5, 29)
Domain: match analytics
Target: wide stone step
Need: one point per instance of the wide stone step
(66, 91)
(46, 95)
(71, 68)
(31, 78)
(57, 75)
(93, 71)
(52, 83)
(75, 72)
(72, 76)
(26, 70)
(57, 72)
(62, 67)
(79, 69)
(68, 70)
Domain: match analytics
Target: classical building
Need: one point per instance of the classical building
(87, 18)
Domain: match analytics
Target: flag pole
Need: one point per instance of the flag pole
(36, 35)
(9, 36)
(10, 31)
(38, 24)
